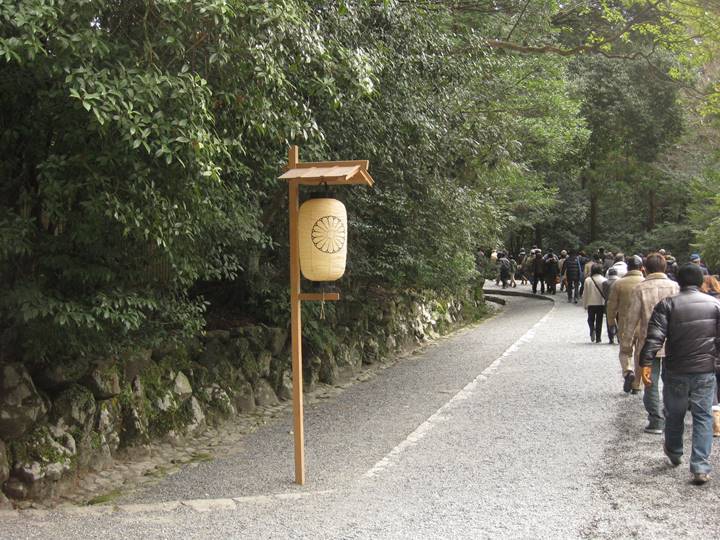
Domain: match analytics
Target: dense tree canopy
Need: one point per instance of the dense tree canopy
(141, 142)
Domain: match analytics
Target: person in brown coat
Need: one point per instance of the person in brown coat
(617, 309)
(645, 296)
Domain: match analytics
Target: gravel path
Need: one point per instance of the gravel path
(516, 428)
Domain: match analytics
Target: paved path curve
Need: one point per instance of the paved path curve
(516, 428)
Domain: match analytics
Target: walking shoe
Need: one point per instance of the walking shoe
(629, 379)
(700, 478)
(653, 430)
(675, 460)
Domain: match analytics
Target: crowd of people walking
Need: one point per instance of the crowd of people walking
(664, 317)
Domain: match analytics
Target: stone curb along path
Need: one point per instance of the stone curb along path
(197, 505)
(127, 476)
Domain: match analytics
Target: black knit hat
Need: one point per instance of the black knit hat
(690, 275)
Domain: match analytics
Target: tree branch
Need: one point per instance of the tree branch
(517, 21)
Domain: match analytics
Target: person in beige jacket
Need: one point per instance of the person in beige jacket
(617, 309)
(644, 298)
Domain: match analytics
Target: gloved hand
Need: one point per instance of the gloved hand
(646, 374)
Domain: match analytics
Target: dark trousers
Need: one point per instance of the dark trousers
(551, 285)
(573, 290)
(611, 330)
(595, 321)
(538, 278)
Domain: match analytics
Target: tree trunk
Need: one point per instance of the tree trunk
(593, 217)
(652, 211)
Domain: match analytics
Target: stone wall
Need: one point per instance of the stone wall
(60, 421)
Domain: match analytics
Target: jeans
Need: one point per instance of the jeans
(695, 389)
(595, 321)
(651, 398)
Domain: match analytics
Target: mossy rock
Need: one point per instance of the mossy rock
(215, 351)
(4, 463)
(257, 336)
(178, 359)
(348, 360)
(103, 380)
(38, 446)
(134, 416)
(278, 340)
(243, 396)
(328, 373)
(264, 394)
(311, 370)
(223, 372)
(135, 362)
(21, 406)
(251, 367)
(156, 379)
(219, 401)
(108, 422)
(176, 418)
(76, 407)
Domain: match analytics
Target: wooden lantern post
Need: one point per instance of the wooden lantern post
(313, 174)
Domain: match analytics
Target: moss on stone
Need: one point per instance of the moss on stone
(153, 382)
(104, 498)
(174, 419)
(96, 440)
(74, 395)
(38, 445)
(200, 457)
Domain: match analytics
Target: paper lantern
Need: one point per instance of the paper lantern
(323, 239)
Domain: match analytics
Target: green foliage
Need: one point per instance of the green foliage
(121, 191)
(142, 143)
(705, 212)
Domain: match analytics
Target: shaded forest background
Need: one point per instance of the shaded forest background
(141, 142)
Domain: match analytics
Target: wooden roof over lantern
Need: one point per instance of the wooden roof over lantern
(328, 172)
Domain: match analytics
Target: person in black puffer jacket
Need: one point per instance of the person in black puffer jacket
(689, 325)
(573, 273)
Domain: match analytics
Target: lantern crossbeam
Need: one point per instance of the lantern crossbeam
(319, 297)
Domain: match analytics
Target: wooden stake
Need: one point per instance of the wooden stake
(296, 322)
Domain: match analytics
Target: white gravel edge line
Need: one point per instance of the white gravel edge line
(440, 416)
